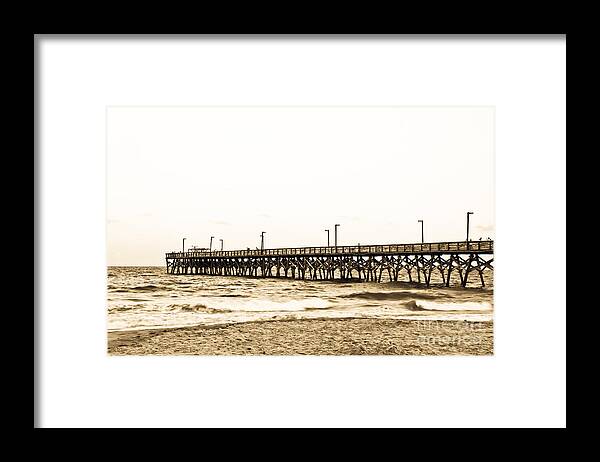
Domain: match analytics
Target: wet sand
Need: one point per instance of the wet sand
(312, 337)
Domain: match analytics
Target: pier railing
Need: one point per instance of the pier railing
(434, 247)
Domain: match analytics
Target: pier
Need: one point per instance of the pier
(408, 262)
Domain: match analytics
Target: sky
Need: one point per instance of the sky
(233, 172)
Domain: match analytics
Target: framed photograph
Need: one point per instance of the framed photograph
(325, 231)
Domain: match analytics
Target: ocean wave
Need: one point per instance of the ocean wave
(414, 306)
(146, 288)
(393, 296)
(198, 308)
(264, 305)
(462, 307)
(120, 308)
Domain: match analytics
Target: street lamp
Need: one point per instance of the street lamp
(422, 238)
(468, 213)
(210, 246)
(262, 240)
(221, 244)
(335, 227)
(327, 237)
(184, 243)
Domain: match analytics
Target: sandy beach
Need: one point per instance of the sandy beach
(312, 337)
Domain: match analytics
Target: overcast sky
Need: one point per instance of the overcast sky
(232, 172)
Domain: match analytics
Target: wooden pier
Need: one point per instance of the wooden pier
(361, 262)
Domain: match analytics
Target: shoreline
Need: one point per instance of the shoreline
(316, 336)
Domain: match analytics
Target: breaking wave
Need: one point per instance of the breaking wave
(393, 295)
(412, 305)
(198, 308)
(146, 288)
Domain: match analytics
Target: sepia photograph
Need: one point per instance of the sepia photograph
(300, 230)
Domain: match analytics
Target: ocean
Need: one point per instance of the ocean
(149, 298)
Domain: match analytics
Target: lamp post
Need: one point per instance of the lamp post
(184, 244)
(327, 231)
(210, 246)
(468, 213)
(335, 227)
(262, 241)
(422, 235)
(221, 244)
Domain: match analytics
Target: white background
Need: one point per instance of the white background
(523, 384)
